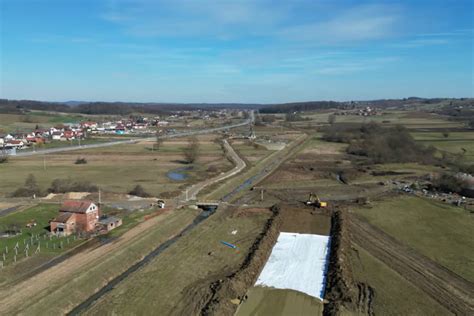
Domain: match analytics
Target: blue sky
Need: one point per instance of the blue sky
(253, 51)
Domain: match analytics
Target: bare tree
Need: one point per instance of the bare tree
(192, 151)
(332, 119)
(158, 142)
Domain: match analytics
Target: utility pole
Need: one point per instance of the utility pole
(100, 200)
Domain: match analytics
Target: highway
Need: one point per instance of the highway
(132, 141)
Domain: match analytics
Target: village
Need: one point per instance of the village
(131, 126)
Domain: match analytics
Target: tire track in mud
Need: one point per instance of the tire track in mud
(446, 287)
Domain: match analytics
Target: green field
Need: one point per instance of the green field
(49, 247)
(393, 294)
(11, 123)
(60, 296)
(409, 119)
(437, 230)
(117, 168)
(454, 143)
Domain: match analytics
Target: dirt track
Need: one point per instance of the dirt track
(443, 285)
(239, 166)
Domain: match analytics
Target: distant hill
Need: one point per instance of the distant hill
(118, 108)
(383, 103)
(74, 103)
(125, 108)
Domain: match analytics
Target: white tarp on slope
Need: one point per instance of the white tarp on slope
(297, 262)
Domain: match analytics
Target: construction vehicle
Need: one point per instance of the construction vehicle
(315, 201)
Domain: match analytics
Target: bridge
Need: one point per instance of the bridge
(207, 205)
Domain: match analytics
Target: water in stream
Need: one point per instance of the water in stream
(157, 251)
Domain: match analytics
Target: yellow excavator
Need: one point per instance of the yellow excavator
(315, 201)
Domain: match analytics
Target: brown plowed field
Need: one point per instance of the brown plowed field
(443, 285)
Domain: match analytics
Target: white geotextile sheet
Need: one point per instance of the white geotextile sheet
(297, 262)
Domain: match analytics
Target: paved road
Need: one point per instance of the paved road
(132, 141)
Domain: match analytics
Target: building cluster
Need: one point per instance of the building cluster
(365, 111)
(41, 136)
(77, 131)
(123, 126)
(82, 216)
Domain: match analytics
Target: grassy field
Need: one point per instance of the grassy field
(49, 247)
(269, 301)
(219, 191)
(461, 143)
(60, 296)
(75, 142)
(393, 294)
(437, 230)
(176, 276)
(252, 154)
(11, 123)
(117, 168)
(409, 119)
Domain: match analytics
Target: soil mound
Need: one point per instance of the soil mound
(340, 287)
(225, 294)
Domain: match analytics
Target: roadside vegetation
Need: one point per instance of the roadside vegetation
(29, 189)
(138, 190)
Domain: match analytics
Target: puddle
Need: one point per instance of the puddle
(179, 174)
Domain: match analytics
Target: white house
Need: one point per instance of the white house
(18, 144)
(57, 135)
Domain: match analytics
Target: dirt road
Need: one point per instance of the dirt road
(443, 285)
(239, 166)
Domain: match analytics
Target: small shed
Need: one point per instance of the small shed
(110, 222)
(64, 224)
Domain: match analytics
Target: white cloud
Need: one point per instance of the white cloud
(356, 24)
(261, 18)
(222, 19)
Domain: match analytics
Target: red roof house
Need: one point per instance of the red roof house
(75, 216)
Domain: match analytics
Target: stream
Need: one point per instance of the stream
(157, 251)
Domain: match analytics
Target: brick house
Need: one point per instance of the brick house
(75, 216)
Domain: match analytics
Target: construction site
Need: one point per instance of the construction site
(291, 225)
